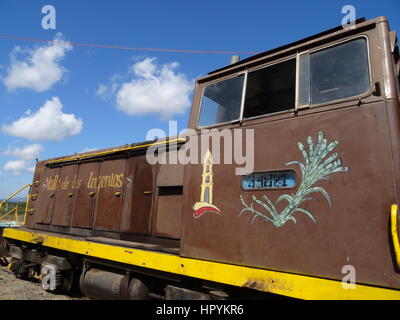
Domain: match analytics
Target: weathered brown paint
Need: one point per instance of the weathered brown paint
(168, 208)
(34, 192)
(86, 195)
(354, 232)
(129, 185)
(170, 175)
(142, 198)
(46, 197)
(109, 194)
(168, 215)
(65, 197)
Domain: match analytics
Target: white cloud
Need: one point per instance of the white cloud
(153, 89)
(146, 68)
(108, 92)
(48, 123)
(40, 69)
(25, 155)
(17, 167)
(28, 152)
(101, 90)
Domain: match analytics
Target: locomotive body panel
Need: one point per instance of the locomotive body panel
(354, 231)
(317, 228)
(112, 195)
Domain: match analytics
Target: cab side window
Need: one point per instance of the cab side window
(221, 101)
(335, 73)
(271, 89)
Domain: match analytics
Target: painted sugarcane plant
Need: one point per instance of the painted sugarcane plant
(317, 166)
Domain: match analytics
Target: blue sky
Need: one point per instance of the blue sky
(89, 92)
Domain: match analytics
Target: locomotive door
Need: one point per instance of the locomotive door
(168, 206)
(65, 196)
(136, 216)
(142, 197)
(109, 195)
(85, 201)
(35, 189)
(45, 201)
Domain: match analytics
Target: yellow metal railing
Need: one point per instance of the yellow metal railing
(15, 210)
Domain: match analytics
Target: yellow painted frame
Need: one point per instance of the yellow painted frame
(291, 285)
(395, 238)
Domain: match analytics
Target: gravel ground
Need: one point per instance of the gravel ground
(12, 288)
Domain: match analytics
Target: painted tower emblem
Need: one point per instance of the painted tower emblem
(205, 203)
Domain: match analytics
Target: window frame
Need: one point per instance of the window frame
(237, 74)
(263, 66)
(313, 50)
(297, 107)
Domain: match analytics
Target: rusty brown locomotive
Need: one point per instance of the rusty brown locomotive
(314, 216)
